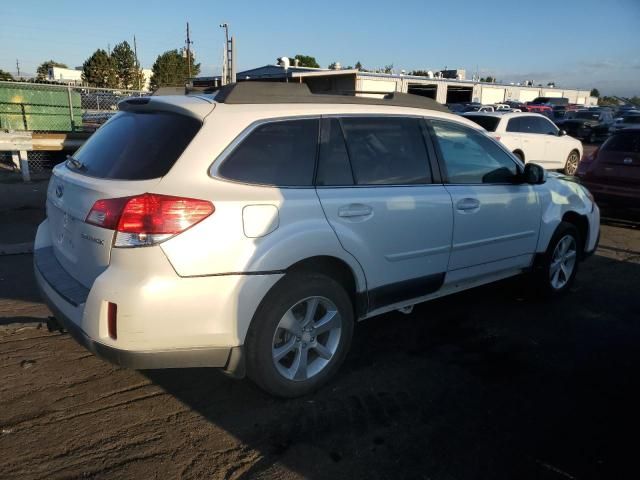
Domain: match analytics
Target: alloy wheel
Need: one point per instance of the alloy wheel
(563, 262)
(572, 163)
(306, 338)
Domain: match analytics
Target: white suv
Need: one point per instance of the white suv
(248, 231)
(533, 138)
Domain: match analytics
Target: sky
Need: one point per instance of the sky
(574, 43)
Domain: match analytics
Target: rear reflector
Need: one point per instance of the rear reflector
(112, 320)
(149, 218)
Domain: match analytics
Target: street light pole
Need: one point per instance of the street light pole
(228, 53)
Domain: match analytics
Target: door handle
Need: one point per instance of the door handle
(355, 210)
(467, 204)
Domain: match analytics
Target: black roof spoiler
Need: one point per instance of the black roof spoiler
(275, 92)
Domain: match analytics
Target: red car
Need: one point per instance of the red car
(543, 109)
(612, 172)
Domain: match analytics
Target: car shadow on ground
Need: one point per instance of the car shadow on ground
(483, 384)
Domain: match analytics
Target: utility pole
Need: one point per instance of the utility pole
(229, 60)
(188, 42)
(18, 67)
(135, 54)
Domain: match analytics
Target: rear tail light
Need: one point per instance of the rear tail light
(149, 218)
(112, 320)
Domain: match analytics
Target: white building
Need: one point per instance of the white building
(65, 75)
(443, 90)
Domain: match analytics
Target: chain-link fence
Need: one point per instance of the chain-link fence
(41, 107)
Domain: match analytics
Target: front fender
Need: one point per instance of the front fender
(558, 196)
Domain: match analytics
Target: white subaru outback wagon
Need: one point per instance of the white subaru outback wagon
(250, 229)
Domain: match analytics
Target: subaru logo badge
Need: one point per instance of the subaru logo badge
(59, 191)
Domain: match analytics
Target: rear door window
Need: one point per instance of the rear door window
(279, 153)
(386, 150)
(136, 146)
(515, 125)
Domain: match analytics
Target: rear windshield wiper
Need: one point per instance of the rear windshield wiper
(75, 163)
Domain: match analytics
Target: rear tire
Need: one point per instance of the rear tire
(300, 335)
(571, 165)
(556, 270)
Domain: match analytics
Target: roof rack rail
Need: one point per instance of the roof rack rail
(275, 92)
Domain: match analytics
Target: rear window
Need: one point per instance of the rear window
(623, 142)
(136, 146)
(488, 123)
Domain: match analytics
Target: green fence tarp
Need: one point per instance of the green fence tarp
(38, 108)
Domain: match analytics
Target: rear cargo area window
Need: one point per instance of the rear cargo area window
(136, 146)
(280, 153)
(488, 123)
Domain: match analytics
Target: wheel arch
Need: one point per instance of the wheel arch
(582, 225)
(340, 271)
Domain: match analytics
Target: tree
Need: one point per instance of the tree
(306, 61)
(635, 100)
(43, 70)
(6, 76)
(595, 92)
(608, 101)
(98, 70)
(126, 67)
(420, 73)
(171, 70)
(358, 65)
(388, 68)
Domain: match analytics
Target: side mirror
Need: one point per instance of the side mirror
(534, 174)
(562, 133)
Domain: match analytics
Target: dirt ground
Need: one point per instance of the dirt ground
(482, 385)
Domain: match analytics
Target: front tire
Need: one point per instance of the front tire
(300, 335)
(571, 165)
(557, 268)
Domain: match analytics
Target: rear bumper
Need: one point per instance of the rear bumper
(228, 358)
(164, 320)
